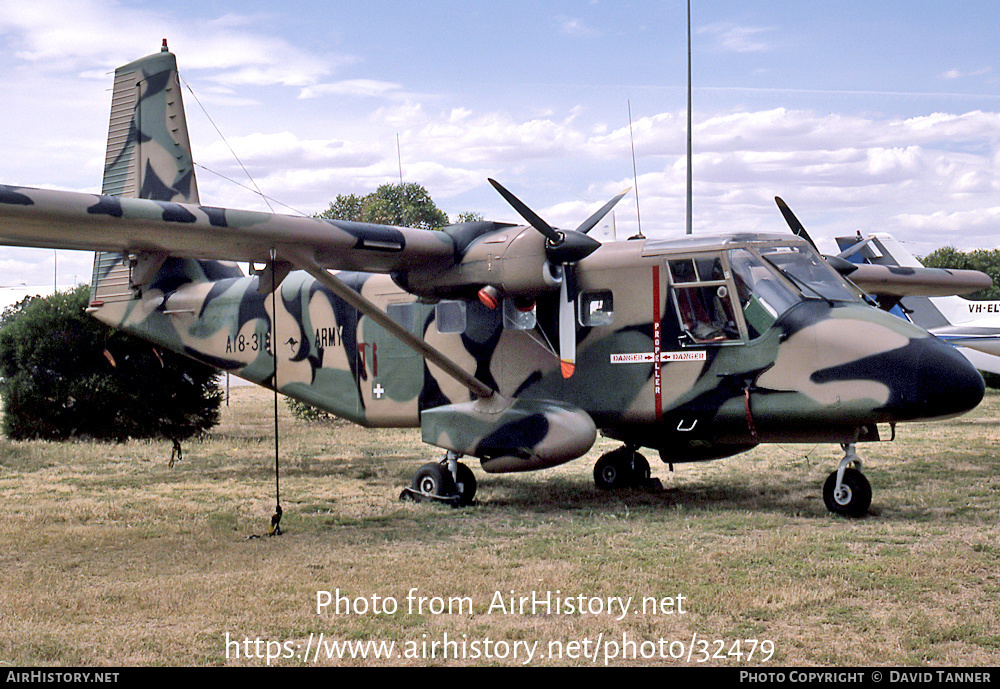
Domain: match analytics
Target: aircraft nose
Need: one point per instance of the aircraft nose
(947, 384)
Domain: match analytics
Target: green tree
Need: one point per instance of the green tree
(985, 260)
(469, 216)
(65, 375)
(406, 205)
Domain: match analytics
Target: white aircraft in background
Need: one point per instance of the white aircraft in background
(972, 326)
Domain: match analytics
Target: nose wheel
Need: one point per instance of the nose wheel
(847, 492)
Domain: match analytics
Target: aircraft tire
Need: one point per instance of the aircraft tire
(465, 486)
(617, 469)
(855, 497)
(640, 470)
(434, 479)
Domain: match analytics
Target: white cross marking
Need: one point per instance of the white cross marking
(378, 391)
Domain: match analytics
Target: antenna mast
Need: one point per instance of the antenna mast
(402, 205)
(635, 174)
(689, 124)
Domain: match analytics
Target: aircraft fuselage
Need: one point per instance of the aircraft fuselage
(697, 349)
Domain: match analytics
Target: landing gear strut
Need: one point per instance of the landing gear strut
(847, 492)
(447, 481)
(621, 468)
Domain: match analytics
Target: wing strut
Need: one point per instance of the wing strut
(308, 263)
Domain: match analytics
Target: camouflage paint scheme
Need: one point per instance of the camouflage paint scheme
(821, 370)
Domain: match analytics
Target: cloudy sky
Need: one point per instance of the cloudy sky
(873, 116)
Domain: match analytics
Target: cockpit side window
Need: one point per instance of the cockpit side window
(706, 314)
(703, 298)
(682, 270)
(761, 293)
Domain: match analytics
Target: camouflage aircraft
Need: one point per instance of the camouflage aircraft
(513, 344)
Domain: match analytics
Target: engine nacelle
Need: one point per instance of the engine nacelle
(511, 259)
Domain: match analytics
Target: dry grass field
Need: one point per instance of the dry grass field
(110, 557)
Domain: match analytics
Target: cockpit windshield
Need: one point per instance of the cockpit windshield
(770, 282)
(810, 273)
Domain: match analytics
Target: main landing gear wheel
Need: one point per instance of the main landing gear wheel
(851, 495)
(465, 484)
(435, 480)
(448, 481)
(621, 468)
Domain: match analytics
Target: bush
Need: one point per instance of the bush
(67, 375)
(307, 412)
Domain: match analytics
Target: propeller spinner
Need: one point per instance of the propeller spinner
(564, 248)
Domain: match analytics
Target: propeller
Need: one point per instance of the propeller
(567, 325)
(797, 228)
(838, 263)
(563, 248)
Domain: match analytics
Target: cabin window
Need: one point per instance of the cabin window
(450, 316)
(596, 308)
(518, 316)
(402, 314)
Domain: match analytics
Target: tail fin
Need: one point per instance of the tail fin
(884, 249)
(969, 325)
(149, 153)
(148, 157)
(880, 249)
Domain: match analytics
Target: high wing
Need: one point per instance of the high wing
(891, 281)
(888, 283)
(71, 220)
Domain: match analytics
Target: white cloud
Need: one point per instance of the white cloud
(57, 35)
(369, 88)
(573, 26)
(732, 38)
(839, 173)
(958, 74)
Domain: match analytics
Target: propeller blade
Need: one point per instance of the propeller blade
(533, 219)
(793, 222)
(567, 324)
(591, 222)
